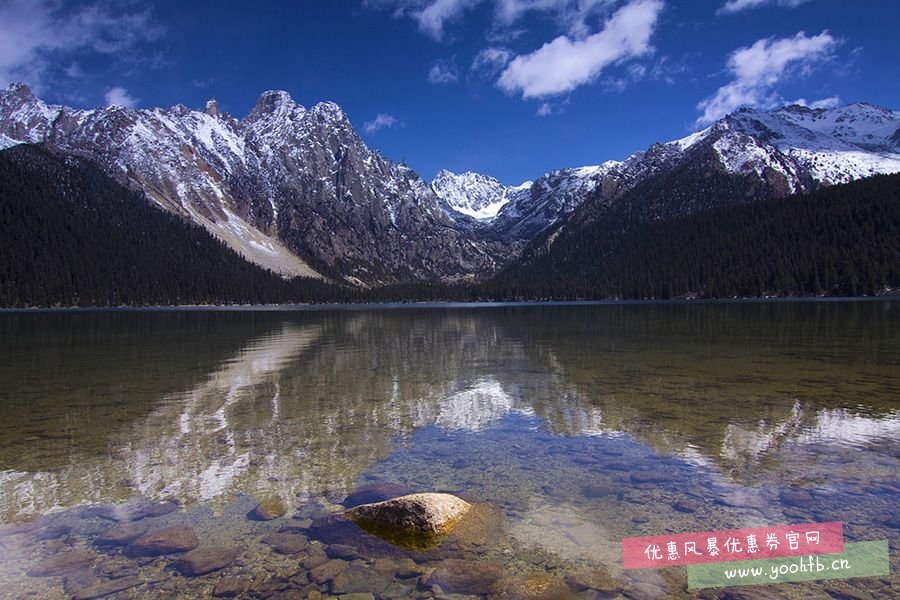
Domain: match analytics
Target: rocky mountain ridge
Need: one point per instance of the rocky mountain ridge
(296, 189)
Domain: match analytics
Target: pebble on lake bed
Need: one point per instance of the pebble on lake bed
(268, 509)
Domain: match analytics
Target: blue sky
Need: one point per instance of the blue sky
(511, 88)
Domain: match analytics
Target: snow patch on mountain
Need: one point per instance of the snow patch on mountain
(7, 142)
(478, 196)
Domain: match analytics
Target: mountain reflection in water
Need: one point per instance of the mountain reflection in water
(311, 400)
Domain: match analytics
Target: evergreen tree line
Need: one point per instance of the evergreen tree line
(838, 241)
(70, 236)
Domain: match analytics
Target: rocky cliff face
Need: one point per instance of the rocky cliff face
(764, 153)
(294, 190)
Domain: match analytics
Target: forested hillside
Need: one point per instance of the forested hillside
(841, 241)
(69, 235)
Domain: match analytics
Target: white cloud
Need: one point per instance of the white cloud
(118, 96)
(760, 67)
(381, 121)
(829, 102)
(38, 38)
(544, 110)
(430, 15)
(432, 18)
(733, 6)
(443, 72)
(562, 65)
(490, 61)
(572, 15)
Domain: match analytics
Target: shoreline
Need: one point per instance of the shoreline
(300, 307)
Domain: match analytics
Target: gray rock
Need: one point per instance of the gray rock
(458, 576)
(268, 509)
(171, 540)
(105, 588)
(62, 563)
(376, 492)
(650, 477)
(416, 520)
(231, 587)
(355, 579)
(598, 490)
(205, 560)
(686, 505)
(122, 534)
(342, 551)
(286, 543)
(156, 509)
(327, 571)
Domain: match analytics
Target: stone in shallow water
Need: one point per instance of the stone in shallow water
(341, 551)
(377, 492)
(54, 532)
(413, 521)
(650, 477)
(205, 560)
(743, 499)
(356, 579)
(327, 571)
(286, 543)
(179, 538)
(105, 588)
(594, 579)
(797, 497)
(536, 587)
(156, 509)
(686, 505)
(598, 490)
(231, 587)
(268, 509)
(62, 563)
(458, 576)
(122, 534)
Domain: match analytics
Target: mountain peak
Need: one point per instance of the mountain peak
(20, 91)
(271, 102)
(472, 194)
(212, 107)
(330, 111)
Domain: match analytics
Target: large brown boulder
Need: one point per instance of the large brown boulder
(414, 521)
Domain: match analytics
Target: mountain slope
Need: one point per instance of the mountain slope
(768, 153)
(294, 190)
(297, 191)
(73, 236)
(842, 240)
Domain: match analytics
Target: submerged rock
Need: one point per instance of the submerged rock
(122, 534)
(414, 521)
(537, 587)
(376, 492)
(268, 509)
(231, 587)
(64, 562)
(286, 542)
(466, 576)
(180, 538)
(105, 588)
(205, 560)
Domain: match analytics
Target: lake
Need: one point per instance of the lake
(569, 427)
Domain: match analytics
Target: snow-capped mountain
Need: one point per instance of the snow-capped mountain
(286, 187)
(793, 149)
(296, 190)
(478, 196)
